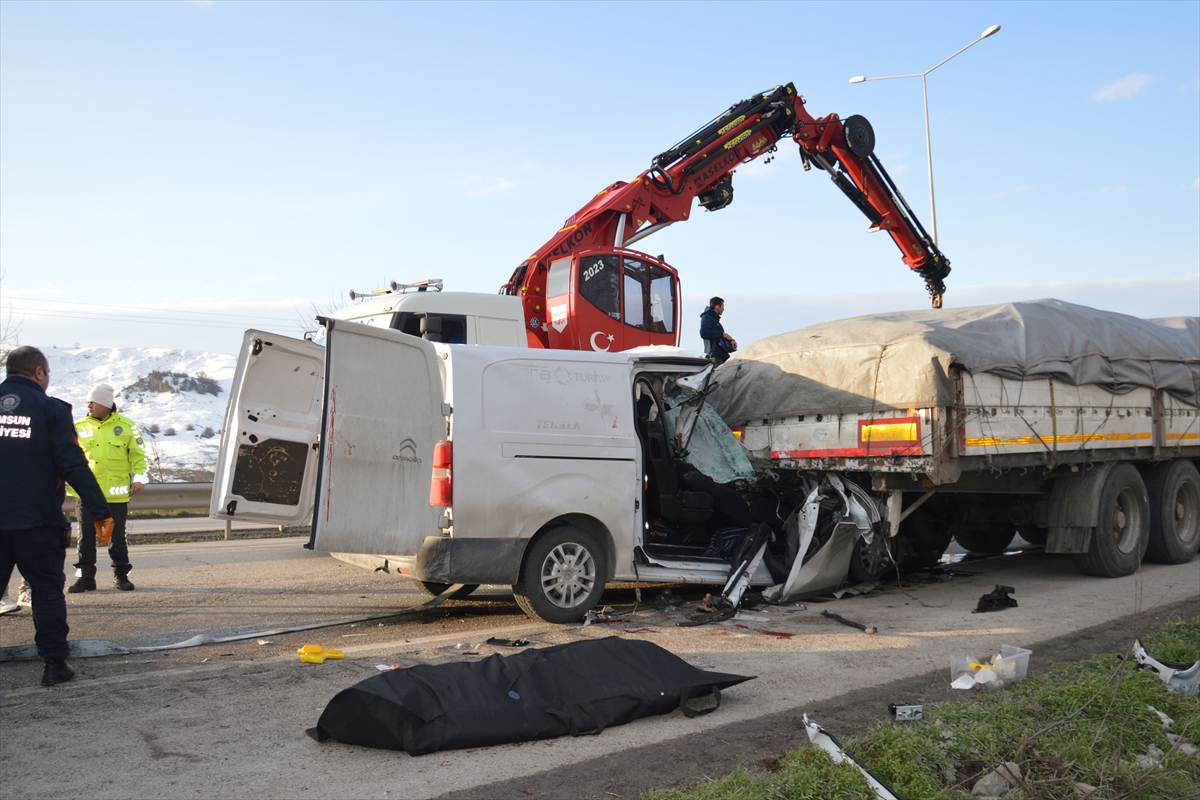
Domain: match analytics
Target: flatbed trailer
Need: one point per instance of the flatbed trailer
(1064, 448)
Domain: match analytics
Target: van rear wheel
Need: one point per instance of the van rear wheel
(562, 576)
(1174, 512)
(433, 589)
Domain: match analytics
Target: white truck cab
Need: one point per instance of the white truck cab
(422, 309)
(552, 471)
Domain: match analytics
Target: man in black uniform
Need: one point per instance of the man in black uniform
(40, 456)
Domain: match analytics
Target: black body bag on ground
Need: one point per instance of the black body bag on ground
(576, 688)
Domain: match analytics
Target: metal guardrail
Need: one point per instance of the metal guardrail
(168, 497)
(171, 497)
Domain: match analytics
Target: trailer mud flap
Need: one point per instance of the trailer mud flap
(1074, 510)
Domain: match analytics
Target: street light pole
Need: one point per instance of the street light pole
(925, 93)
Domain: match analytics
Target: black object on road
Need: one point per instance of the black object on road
(850, 622)
(507, 642)
(996, 600)
(576, 688)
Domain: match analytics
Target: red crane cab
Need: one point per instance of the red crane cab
(607, 299)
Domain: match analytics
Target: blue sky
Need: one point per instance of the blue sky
(193, 168)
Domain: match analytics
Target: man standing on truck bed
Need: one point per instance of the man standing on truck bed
(39, 452)
(717, 343)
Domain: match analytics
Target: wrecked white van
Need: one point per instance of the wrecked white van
(550, 471)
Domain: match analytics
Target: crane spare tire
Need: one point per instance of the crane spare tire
(1122, 530)
(860, 136)
(562, 576)
(1174, 490)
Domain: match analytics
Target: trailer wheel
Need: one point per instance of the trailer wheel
(869, 562)
(985, 541)
(433, 589)
(562, 576)
(1120, 538)
(1174, 490)
(1033, 534)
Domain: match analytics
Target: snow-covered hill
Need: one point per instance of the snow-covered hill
(177, 397)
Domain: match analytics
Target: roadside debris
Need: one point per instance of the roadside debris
(851, 623)
(996, 600)
(1163, 718)
(1151, 758)
(825, 740)
(904, 712)
(577, 688)
(998, 782)
(507, 642)
(1003, 669)
(316, 654)
(603, 615)
(668, 600)
(857, 589)
(712, 609)
(1182, 678)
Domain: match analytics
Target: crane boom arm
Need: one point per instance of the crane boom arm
(700, 168)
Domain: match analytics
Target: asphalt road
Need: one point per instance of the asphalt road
(229, 718)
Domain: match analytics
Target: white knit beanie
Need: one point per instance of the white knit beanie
(102, 394)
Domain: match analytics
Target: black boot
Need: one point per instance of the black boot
(56, 671)
(82, 585)
(122, 582)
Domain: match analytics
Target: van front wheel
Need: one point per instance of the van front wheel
(562, 576)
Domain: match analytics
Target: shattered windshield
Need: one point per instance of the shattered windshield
(710, 446)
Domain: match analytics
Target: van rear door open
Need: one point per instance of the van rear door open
(267, 466)
(383, 415)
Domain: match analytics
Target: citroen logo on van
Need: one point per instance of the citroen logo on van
(408, 452)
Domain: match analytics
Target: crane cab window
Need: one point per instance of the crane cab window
(558, 282)
(600, 283)
(649, 297)
(662, 301)
(635, 293)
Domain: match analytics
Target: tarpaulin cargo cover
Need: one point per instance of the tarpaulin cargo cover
(904, 359)
(576, 688)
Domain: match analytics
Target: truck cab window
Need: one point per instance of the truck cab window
(599, 283)
(453, 327)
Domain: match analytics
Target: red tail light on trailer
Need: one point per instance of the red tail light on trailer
(441, 491)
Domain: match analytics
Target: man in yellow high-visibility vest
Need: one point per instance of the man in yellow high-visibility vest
(113, 446)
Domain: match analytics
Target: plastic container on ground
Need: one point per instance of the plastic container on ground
(1005, 668)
